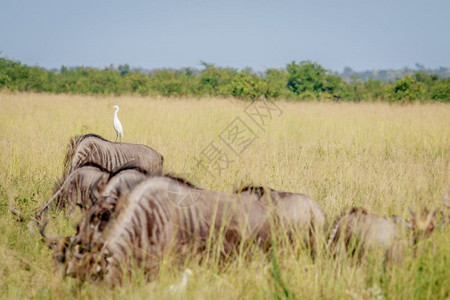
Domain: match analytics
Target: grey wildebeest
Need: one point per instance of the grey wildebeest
(108, 204)
(93, 150)
(298, 215)
(358, 232)
(150, 225)
(85, 186)
(105, 195)
(78, 188)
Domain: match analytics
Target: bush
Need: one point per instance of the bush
(304, 80)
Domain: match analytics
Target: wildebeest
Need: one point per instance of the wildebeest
(92, 148)
(359, 232)
(108, 204)
(105, 194)
(85, 186)
(296, 213)
(78, 188)
(150, 225)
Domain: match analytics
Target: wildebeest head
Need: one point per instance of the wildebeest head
(86, 263)
(75, 256)
(95, 221)
(423, 224)
(98, 216)
(82, 187)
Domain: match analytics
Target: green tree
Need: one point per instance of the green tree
(214, 81)
(247, 86)
(311, 79)
(406, 89)
(124, 69)
(276, 83)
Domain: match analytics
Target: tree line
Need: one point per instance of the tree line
(303, 80)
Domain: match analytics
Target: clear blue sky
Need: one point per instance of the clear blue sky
(260, 34)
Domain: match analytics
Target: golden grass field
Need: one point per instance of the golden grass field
(383, 157)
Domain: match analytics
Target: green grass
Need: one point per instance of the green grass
(383, 157)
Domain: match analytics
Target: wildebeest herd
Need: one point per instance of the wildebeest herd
(129, 216)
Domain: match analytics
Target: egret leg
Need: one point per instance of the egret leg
(117, 135)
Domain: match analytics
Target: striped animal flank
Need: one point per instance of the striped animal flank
(78, 188)
(149, 225)
(361, 232)
(110, 202)
(295, 212)
(338, 223)
(112, 156)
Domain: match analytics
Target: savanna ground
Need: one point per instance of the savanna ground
(383, 157)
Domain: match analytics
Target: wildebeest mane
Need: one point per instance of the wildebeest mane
(58, 184)
(352, 211)
(181, 180)
(253, 189)
(334, 228)
(128, 166)
(72, 147)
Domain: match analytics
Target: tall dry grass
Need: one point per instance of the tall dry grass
(383, 157)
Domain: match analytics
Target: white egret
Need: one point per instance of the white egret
(117, 125)
(177, 288)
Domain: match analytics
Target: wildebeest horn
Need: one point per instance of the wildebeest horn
(47, 204)
(51, 240)
(17, 213)
(50, 201)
